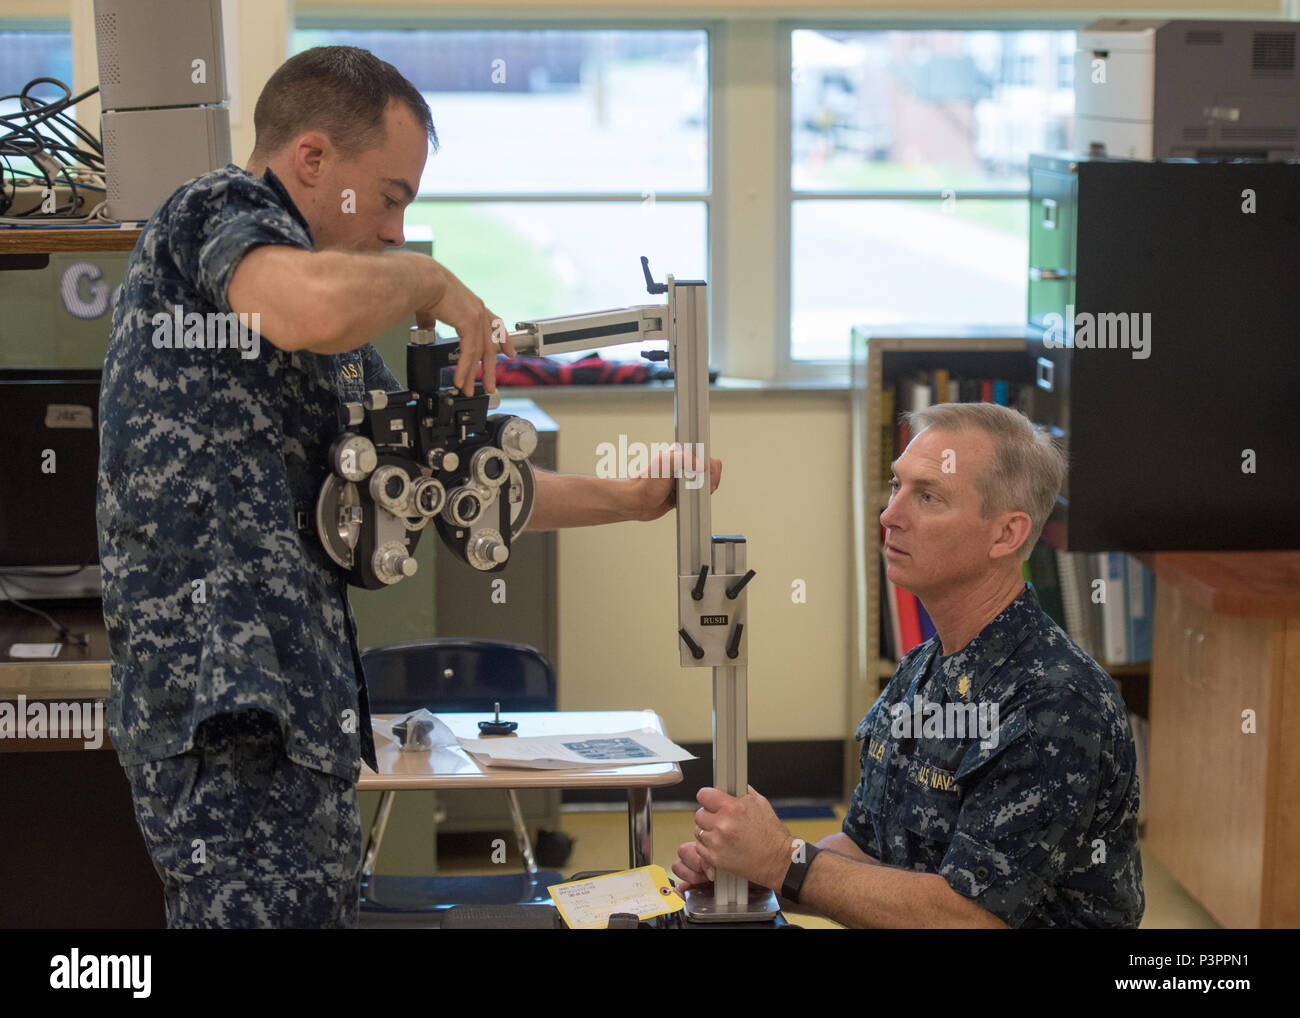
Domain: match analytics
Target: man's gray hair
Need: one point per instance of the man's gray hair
(1027, 469)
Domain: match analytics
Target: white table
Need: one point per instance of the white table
(455, 768)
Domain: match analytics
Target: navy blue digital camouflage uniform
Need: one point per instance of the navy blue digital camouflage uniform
(1039, 826)
(237, 705)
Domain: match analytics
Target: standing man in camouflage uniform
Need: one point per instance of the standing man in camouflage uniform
(238, 706)
(1028, 822)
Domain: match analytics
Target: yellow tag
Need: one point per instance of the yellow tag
(963, 685)
(587, 904)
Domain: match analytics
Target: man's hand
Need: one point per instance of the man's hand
(654, 491)
(690, 869)
(694, 872)
(478, 329)
(740, 835)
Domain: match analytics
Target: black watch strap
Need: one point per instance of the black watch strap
(794, 876)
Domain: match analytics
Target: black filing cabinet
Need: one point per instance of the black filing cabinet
(1189, 443)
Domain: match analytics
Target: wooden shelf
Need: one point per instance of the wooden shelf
(77, 673)
(1137, 668)
(22, 248)
(71, 238)
(1258, 584)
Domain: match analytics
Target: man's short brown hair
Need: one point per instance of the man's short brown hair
(341, 90)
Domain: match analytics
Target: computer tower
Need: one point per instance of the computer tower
(162, 80)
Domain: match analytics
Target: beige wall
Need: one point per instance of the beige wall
(257, 42)
(785, 487)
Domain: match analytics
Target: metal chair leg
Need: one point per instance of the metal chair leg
(521, 833)
(640, 836)
(376, 834)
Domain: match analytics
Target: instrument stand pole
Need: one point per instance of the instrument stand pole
(712, 576)
(712, 581)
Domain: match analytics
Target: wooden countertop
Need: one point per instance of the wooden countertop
(1257, 584)
(68, 238)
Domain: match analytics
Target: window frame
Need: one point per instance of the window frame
(786, 368)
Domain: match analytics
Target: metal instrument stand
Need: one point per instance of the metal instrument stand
(712, 575)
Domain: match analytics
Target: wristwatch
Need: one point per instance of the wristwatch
(794, 876)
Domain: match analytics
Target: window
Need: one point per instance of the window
(908, 175)
(30, 50)
(564, 155)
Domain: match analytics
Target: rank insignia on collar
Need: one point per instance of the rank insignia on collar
(963, 685)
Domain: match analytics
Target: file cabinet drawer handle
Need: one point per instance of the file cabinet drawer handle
(1045, 374)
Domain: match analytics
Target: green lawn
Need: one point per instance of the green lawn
(491, 258)
(1006, 215)
(849, 175)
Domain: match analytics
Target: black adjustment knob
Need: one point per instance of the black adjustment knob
(733, 645)
(696, 650)
(739, 585)
(655, 355)
(650, 285)
(497, 726)
(697, 592)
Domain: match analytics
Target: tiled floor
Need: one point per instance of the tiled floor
(600, 842)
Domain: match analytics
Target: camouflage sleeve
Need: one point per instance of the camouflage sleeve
(229, 217)
(1030, 801)
(377, 374)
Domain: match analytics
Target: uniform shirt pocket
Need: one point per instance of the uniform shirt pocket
(867, 803)
(1002, 783)
(931, 800)
(878, 748)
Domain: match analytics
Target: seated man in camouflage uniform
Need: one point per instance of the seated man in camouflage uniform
(238, 706)
(1028, 822)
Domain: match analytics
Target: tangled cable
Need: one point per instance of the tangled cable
(43, 135)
